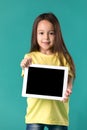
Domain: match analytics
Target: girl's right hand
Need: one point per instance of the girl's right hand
(26, 62)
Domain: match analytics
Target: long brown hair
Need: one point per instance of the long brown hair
(59, 45)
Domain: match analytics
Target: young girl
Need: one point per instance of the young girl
(47, 47)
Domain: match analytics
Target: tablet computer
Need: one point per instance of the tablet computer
(45, 81)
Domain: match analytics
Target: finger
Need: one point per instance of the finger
(65, 99)
(26, 62)
(68, 92)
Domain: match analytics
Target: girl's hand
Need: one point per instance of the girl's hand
(67, 94)
(26, 62)
(68, 90)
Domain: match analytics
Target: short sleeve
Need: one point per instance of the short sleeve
(69, 69)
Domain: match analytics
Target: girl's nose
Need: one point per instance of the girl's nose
(46, 36)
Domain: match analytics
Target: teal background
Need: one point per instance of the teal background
(16, 19)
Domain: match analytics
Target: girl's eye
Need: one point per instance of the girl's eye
(41, 33)
(51, 33)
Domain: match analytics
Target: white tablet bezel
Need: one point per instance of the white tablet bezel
(24, 94)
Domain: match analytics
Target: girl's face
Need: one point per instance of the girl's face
(45, 36)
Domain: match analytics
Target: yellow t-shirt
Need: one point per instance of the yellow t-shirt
(43, 110)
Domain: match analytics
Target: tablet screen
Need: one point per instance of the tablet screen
(44, 81)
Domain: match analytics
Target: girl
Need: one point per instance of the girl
(47, 47)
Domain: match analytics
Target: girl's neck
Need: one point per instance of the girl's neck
(47, 52)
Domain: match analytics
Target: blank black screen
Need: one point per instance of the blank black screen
(45, 81)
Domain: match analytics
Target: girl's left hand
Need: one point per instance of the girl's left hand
(68, 90)
(67, 94)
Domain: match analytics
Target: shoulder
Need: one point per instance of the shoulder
(29, 54)
(66, 59)
(63, 58)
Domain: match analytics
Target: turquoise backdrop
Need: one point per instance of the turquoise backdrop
(16, 19)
